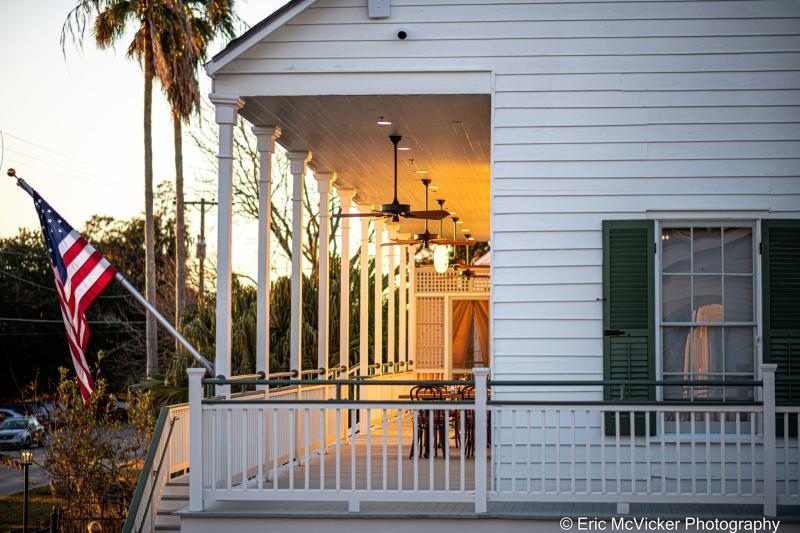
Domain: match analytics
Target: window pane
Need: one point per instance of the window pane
(707, 349)
(676, 393)
(675, 249)
(739, 393)
(707, 250)
(739, 351)
(707, 301)
(676, 301)
(738, 298)
(738, 250)
(677, 349)
(705, 393)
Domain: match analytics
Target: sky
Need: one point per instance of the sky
(71, 125)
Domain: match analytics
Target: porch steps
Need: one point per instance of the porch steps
(174, 498)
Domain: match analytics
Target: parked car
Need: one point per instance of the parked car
(39, 410)
(21, 432)
(6, 412)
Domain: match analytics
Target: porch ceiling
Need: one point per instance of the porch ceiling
(449, 135)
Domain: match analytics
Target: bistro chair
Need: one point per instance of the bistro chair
(422, 433)
(467, 394)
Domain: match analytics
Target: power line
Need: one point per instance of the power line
(22, 254)
(23, 280)
(54, 321)
(50, 333)
(45, 148)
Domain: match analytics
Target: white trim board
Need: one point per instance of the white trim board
(387, 82)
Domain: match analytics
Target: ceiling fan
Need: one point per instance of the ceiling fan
(427, 236)
(467, 269)
(395, 209)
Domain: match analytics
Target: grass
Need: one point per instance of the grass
(41, 504)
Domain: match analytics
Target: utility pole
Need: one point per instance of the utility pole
(201, 242)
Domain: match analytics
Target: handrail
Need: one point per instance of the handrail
(495, 383)
(597, 383)
(258, 375)
(133, 510)
(362, 381)
(160, 464)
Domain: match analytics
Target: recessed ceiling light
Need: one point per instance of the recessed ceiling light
(453, 213)
(460, 222)
(383, 122)
(434, 187)
(420, 171)
(465, 230)
(404, 148)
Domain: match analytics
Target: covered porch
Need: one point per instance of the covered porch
(439, 164)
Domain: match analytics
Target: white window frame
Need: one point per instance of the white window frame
(708, 221)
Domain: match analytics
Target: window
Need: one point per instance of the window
(708, 316)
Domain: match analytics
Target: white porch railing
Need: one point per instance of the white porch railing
(167, 456)
(327, 447)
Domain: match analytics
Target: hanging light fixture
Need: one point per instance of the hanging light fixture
(441, 252)
(441, 259)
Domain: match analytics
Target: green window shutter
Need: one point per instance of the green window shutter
(628, 315)
(780, 275)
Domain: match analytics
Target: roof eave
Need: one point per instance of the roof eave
(255, 34)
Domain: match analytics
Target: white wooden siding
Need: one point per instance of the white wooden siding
(602, 110)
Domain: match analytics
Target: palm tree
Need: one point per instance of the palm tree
(110, 20)
(183, 44)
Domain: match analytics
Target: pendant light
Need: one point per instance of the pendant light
(441, 252)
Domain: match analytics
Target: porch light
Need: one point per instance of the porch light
(383, 122)
(441, 259)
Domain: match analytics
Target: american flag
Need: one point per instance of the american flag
(81, 274)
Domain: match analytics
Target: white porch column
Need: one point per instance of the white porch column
(345, 201)
(412, 308)
(297, 164)
(402, 354)
(265, 137)
(363, 316)
(363, 299)
(226, 115)
(390, 334)
(324, 181)
(379, 292)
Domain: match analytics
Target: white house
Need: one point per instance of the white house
(634, 165)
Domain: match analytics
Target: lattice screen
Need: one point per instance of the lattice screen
(430, 333)
(431, 291)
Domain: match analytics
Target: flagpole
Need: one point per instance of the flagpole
(164, 322)
(141, 299)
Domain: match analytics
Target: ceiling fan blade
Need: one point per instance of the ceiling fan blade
(462, 266)
(427, 215)
(452, 242)
(358, 215)
(405, 241)
(399, 243)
